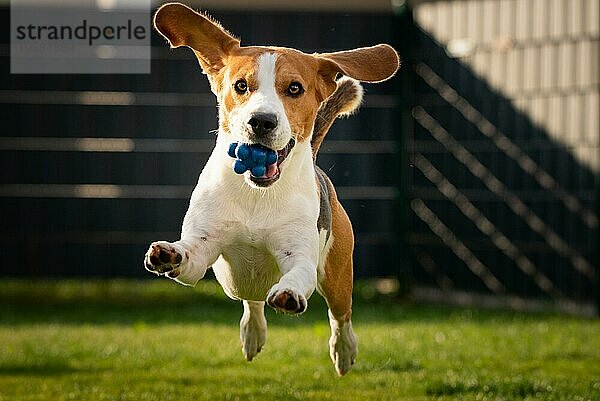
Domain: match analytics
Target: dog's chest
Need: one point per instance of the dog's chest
(246, 269)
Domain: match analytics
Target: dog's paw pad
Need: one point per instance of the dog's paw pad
(287, 301)
(163, 258)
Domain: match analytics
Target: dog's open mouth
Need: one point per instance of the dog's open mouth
(273, 171)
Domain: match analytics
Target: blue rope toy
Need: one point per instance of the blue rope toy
(253, 157)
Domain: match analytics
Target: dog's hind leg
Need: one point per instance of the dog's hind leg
(335, 284)
(253, 328)
(343, 343)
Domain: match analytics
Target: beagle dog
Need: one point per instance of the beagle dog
(272, 239)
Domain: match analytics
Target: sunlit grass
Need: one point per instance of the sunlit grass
(155, 340)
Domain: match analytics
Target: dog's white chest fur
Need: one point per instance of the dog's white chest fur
(253, 229)
(247, 269)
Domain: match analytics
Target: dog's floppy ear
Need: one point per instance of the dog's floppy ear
(367, 64)
(182, 26)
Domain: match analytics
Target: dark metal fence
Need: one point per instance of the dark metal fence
(485, 165)
(503, 147)
(95, 167)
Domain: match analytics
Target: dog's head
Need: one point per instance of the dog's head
(268, 95)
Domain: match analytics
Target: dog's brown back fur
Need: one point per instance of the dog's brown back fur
(336, 286)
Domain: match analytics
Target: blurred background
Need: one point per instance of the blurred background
(471, 177)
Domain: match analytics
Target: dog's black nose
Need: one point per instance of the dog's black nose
(262, 123)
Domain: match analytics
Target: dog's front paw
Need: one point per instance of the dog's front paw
(286, 300)
(163, 258)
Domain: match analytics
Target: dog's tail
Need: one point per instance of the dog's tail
(344, 101)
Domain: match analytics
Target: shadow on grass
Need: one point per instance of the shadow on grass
(164, 302)
(518, 388)
(44, 370)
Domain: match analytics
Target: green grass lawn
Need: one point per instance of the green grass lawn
(155, 340)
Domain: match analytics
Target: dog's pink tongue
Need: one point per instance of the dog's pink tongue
(271, 170)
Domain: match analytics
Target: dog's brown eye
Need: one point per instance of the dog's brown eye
(295, 89)
(240, 86)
